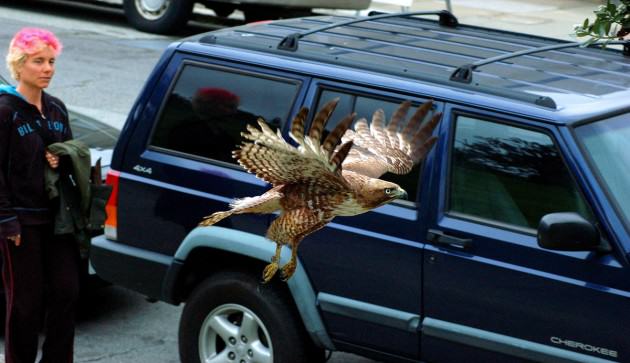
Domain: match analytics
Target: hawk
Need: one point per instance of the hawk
(325, 177)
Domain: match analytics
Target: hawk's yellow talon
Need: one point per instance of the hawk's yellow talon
(288, 270)
(270, 271)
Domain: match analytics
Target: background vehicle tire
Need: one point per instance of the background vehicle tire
(231, 314)
(222, 10)
(158, 16)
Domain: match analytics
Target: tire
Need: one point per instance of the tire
(211, 324)
(158, 16)
(222, 10)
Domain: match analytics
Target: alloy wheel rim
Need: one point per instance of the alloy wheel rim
(152, 9)
(233, 333)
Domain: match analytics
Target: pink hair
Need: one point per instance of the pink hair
(32, 40)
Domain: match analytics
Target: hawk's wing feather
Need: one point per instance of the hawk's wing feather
(319, 122)
(271, 158)
(395, 148)
(370, 149)
(337, 133)
(297, 125)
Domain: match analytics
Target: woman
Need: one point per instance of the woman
(37, 266)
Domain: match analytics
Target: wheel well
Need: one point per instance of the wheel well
(204, 261)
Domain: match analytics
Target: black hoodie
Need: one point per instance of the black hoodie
(24, 135)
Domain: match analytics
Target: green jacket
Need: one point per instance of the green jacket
(71, 183)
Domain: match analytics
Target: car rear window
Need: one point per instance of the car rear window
(208, 108)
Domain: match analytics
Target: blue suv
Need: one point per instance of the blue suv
(513, 245)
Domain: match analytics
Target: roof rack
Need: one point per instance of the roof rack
(464, 73)
(290, 42)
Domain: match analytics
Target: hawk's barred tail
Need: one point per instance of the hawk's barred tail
(215, 218)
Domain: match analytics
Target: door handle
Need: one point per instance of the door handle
(438, 237)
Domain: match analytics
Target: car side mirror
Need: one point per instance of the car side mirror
(568, 231)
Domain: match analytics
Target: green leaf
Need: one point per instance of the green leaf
(585, 24)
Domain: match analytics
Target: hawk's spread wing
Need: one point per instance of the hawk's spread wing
(313, 162)
(394, 148)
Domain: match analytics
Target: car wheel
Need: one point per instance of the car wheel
(232, 317)
(222, 10)
(158, 16)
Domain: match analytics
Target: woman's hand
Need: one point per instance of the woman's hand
(17, 239)
(53, 160)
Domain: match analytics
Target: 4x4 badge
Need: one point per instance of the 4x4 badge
(142, 169)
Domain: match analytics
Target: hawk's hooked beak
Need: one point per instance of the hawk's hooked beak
(401, 193)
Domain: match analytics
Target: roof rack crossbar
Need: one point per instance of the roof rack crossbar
(464, 73)
(290, 42)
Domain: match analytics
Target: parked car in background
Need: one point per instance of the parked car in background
(514, 244)
(101, 138)
(168, 16)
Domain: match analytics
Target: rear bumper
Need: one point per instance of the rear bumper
(131, 267)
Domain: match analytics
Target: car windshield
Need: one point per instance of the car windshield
(605, 142)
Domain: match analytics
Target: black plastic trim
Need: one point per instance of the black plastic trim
(134, 268)
(169, 288)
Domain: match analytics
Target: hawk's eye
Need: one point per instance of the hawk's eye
(389, 191)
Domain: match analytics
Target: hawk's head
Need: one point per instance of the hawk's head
(376, 192)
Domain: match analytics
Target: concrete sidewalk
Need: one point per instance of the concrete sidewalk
(540, 17)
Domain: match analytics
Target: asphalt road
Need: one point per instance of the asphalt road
(116, 325)
(119, 326)
(100, 72)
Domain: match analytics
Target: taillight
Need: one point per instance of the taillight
(111, 208)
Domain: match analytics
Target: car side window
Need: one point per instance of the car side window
(509, 175)
(208, 108)
(364, 106)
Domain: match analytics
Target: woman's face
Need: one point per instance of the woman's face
(38, 69)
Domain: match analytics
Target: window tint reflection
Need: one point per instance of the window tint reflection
(509, 175)
(209, 108)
